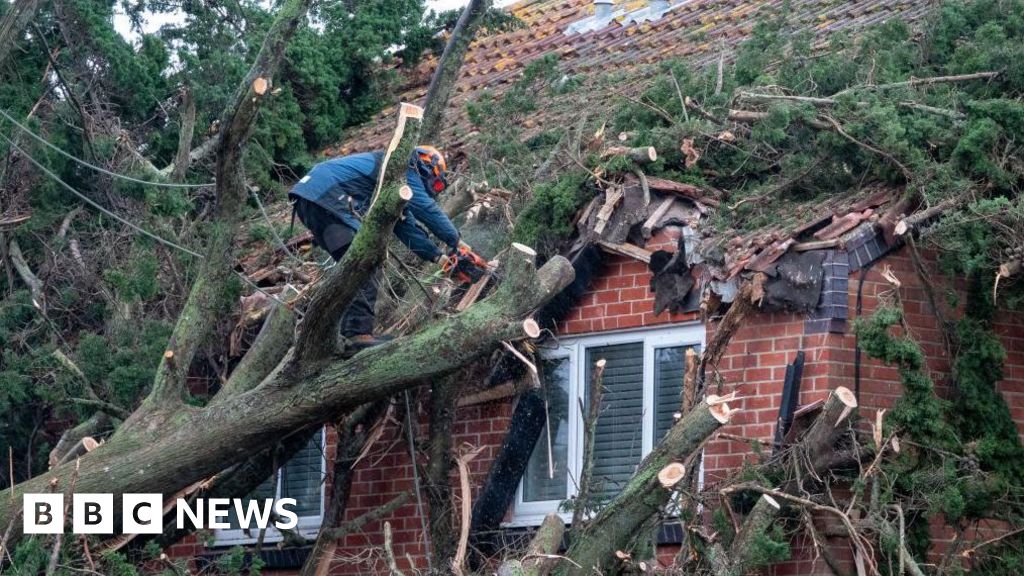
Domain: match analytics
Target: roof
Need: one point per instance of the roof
(697, 30)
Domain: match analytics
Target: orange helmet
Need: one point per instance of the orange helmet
(432, 168)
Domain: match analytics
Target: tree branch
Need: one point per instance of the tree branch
(207, 301)
(442, 84)
(13, 24)
(35, 285)
(188, 124)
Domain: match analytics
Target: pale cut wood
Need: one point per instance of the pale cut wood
(671, 475)
(626, 249)
(410, 111)
(648, 228)
(612, 198)
(474, 292)
(1011, 268)
(640, 154)
(531, 328)
(467, 508)
(526, 250)
(690, 380)
(260, 85)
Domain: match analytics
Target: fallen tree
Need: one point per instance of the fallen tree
(167, 445)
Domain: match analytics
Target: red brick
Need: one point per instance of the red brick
(618, 309)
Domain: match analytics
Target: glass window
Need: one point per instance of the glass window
(301, 478)
(642, 384)
(618, 438)
(546, 477)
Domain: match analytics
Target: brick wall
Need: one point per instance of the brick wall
(754, 366)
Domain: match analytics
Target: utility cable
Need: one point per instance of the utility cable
(129, 223)
(93, 203)
(74, 158)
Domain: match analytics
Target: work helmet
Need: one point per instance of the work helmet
(431, 167)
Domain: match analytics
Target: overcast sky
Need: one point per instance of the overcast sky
(153, 22)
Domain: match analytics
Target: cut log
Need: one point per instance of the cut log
(670, 475)
(640, 155)
(539, 557)
(84, 446)
(822, 435)
(626, 249)
(912, 222)
(817, 444)
(72, 439)
(618, 525)
(531, 328)
(741, 554)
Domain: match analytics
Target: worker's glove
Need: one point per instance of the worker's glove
(464, 266)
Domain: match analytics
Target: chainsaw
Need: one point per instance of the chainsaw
(465, 266)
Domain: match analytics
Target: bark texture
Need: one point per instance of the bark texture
(620, 522)
(188, 125)
(443, 398)
(442, 84)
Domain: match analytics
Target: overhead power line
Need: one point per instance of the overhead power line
(88, 164)
(94, 204)
(129, 223)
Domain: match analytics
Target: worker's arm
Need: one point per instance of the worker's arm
(426, 210)
(415, 238)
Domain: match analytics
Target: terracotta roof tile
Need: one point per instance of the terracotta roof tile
(695, 29)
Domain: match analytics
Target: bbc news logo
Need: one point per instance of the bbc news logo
(144, 513)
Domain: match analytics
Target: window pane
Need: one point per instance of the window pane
(539, 484)
(618, 439)
(302, 477)
(669, 368)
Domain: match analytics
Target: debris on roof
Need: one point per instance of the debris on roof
(628, 45)
(784, 258)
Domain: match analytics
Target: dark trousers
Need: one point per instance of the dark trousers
(334, 236)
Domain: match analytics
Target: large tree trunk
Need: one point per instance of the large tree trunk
(444, 395)
(168, 451)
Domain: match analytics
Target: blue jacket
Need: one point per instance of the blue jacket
(345, 185)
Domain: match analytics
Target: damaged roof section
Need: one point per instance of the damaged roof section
(783, 259)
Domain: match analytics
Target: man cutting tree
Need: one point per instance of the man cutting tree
(333, 198)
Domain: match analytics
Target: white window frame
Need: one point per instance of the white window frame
(308, 526)
(574, 348)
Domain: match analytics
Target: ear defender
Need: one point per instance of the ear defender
(431, 166)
